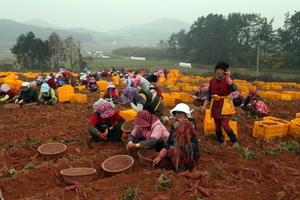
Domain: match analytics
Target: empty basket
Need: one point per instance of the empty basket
(78, 174)
(118, 164)
(52, 150)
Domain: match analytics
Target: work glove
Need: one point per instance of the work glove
(20, 102)
(102, 136)
(16, 101)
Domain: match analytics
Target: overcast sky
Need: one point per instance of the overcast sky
(104, 15)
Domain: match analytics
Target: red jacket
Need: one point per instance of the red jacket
(96, 119)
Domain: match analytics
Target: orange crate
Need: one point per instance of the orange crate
(286, 124)
(169, 101)
(128, 114)
(267, 129)
(295, 127)
(64, 93)
(78, 98)
(297, 115)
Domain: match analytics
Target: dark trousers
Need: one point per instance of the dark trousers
(115, 134)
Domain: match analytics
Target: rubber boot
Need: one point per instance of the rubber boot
(232, 137)
(220, 136)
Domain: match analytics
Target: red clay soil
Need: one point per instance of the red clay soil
(224, 172)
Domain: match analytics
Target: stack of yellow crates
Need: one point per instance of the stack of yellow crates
(78, 98)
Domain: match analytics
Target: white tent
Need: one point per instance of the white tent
(181, 64)
(137, 58)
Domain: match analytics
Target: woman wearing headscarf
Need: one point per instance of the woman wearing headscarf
(39, 81)
(112, 93)
(28, 94)
(50, 80)
(148, 99)
(67, 76)
(181, 150)
(255, 104)
(237, 98)
(150, 132)
(92, 85)
(47, 95)
(199, 96)
(130, 93)
(248, 99)
(106, 123)
(153, 86)
(8, 94)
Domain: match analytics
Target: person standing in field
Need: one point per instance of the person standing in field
(222, 108)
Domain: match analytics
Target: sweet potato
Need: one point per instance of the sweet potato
(96, 188)
(203, 191)
(197, 176)
(231, 187)
(84, 195)
(70, 188)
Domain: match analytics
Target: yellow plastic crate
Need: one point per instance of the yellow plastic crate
(128, 114)
(267, 129)
(175, 95)
(78, 98)
(102, 84)
(297, 115)
(265, 87)
(209, 128)
(81, 87)
(286, 97)
(65, 92)
(295, 127)
(174, 88)
(286, 124)
(169, 101)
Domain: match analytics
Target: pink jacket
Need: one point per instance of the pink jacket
(157, 131)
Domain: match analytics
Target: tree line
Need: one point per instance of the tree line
(234, 38)
(34, 53)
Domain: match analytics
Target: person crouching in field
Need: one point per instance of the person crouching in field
(150, 132)
(92, 85)
(7, 94)
(255, 104)
(182, 149)
(47, 95)
(106, 123)
(199, 95)
(222, 107)
(28, 94)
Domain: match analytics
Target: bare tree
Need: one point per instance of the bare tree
(71, 51)
(56, 48)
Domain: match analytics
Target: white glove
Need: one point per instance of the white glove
(20, 101)
(16, 101)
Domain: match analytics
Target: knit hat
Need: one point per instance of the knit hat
(92, 79)
(222, 65)
(45, 87)
(181, 107)
(252, 93)
(144, 119)
(25, 86)
(48, 78)
(106, 110)
(203, 88)
(5, 87)
(110, 85)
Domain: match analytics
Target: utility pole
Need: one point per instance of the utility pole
(258, 52)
